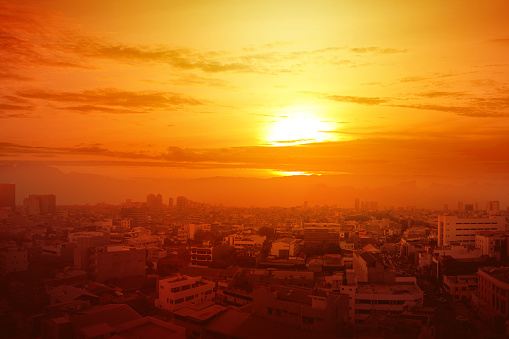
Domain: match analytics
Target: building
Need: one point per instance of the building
(182, 203)
(370, 267)
(85, 241)
(8, 196)
(206, 255)
(493, 291)
(39, 204)
(240, 241)
(491, 243)
(492, 207)
(108, 262)
(155, 204)
(460, 287)
(285, 248)
(463, 230)
(181, 291)
(307, 309)
(13, 259)
(320, 234)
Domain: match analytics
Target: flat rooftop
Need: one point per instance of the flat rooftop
(395, 289)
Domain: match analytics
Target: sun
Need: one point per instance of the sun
(298, 129)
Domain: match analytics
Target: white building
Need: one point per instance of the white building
(490, 243)
(75, 235)
(180, 291)
(240, 241)
(13, 259)
(463, 230)
(387, 298)
(285, 247)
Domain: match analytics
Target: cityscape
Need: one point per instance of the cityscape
(176, 268)
(221, 169)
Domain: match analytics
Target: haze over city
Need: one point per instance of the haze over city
(330, 99)
(248, 169)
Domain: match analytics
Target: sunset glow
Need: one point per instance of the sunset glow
(386, 92)
(298, 129)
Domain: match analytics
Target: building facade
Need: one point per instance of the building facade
(463, 230)
(13, 259)
(493, 290)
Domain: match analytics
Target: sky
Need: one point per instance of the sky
(367, 92)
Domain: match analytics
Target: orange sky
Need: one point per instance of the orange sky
(191, 89)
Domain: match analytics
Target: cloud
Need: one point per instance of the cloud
(377, 50)
(350, 99)
(437, 94)
(111, 100)
(459, 110)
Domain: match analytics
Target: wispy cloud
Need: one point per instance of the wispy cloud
(110, 100)
(350, 99)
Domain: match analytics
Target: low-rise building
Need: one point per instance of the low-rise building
(109, 262)
(308, 309)
(285, 248)
(180, 291)
(491, 243)
(460, 287)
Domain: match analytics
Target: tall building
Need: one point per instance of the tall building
(8, 196)
(155, 203)
(463, 230)
(39, 204)
(357, 204)
(182, 203)
(461, 206)
(492, 207)
(170, 202)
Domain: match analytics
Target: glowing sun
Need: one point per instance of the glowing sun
(298, 129)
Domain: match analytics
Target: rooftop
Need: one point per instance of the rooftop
(393, 289)
(499, 273)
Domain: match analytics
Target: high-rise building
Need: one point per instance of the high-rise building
(357, 204)
(461, 207)
(492, 206)
(182, 202)
(170, 202)
(39, 204)
(155, 204)
(8, 196)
